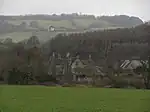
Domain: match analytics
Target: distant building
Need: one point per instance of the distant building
(51, 28)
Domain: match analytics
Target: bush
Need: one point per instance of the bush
(68, 85)
(13, 76)
(121, 84)
(17, 77)
(46, 78)
(138, 84)
(1, 78)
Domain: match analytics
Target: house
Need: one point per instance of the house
(127, 67)
(131, 64)
(84, 70)
(78, 63)
(81, 70)
(51, 28)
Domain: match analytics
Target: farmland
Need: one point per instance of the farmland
(57, 99)
(42, 35)
(45, 23)
(19, 36)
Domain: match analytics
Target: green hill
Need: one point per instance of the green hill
(22, 27)
(75, 21)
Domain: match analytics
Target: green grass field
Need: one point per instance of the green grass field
(80, 23)
(45, 23)
(19, 36)
(57, 99)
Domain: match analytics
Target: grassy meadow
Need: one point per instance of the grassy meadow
(79, 23)
(44, 35)
(19, 36)
(45, 23)
(57, 99)
(16, 36)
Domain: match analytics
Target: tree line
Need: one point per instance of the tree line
(23, 66)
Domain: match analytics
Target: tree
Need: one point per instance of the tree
(32, 42)
(18, 77)
(34, 24)
(23, 25)
(68, 74)
(35, 58)
(53, 65)
(111, 71)
(144, 70)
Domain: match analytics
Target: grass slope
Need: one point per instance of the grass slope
(42, 35)
(16, 36)
(19, 36)
(79, 23)
(56, 99)
(45, 23)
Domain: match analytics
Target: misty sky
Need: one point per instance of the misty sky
(140, 8)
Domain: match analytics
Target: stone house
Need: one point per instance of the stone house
(85, 70)
(81, 69)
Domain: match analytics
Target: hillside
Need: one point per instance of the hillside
(74, 21)
(91, 42)
(22, 27)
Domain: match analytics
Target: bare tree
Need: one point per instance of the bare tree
(67, 68)
(144, 70)
(107, 49)
(53, 65)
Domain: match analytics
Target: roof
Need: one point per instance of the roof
(88, 62)
(133, 64)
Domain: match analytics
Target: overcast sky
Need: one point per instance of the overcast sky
(140, 8)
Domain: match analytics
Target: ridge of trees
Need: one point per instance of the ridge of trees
(93, 40)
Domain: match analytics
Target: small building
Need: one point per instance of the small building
(51, 28)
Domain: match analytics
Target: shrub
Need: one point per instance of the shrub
(17, 77)
(13, 76)
(1, 78)
(120, 83)
(46, 78)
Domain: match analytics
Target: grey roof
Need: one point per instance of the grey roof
(132, 64)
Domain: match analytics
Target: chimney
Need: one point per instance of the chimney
(59, 56)
(90, 57)
(78, 56)
(53, 54)
(68, 55)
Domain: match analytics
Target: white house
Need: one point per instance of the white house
(51, 28)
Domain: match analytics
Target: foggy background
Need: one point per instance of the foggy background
(138, 8)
